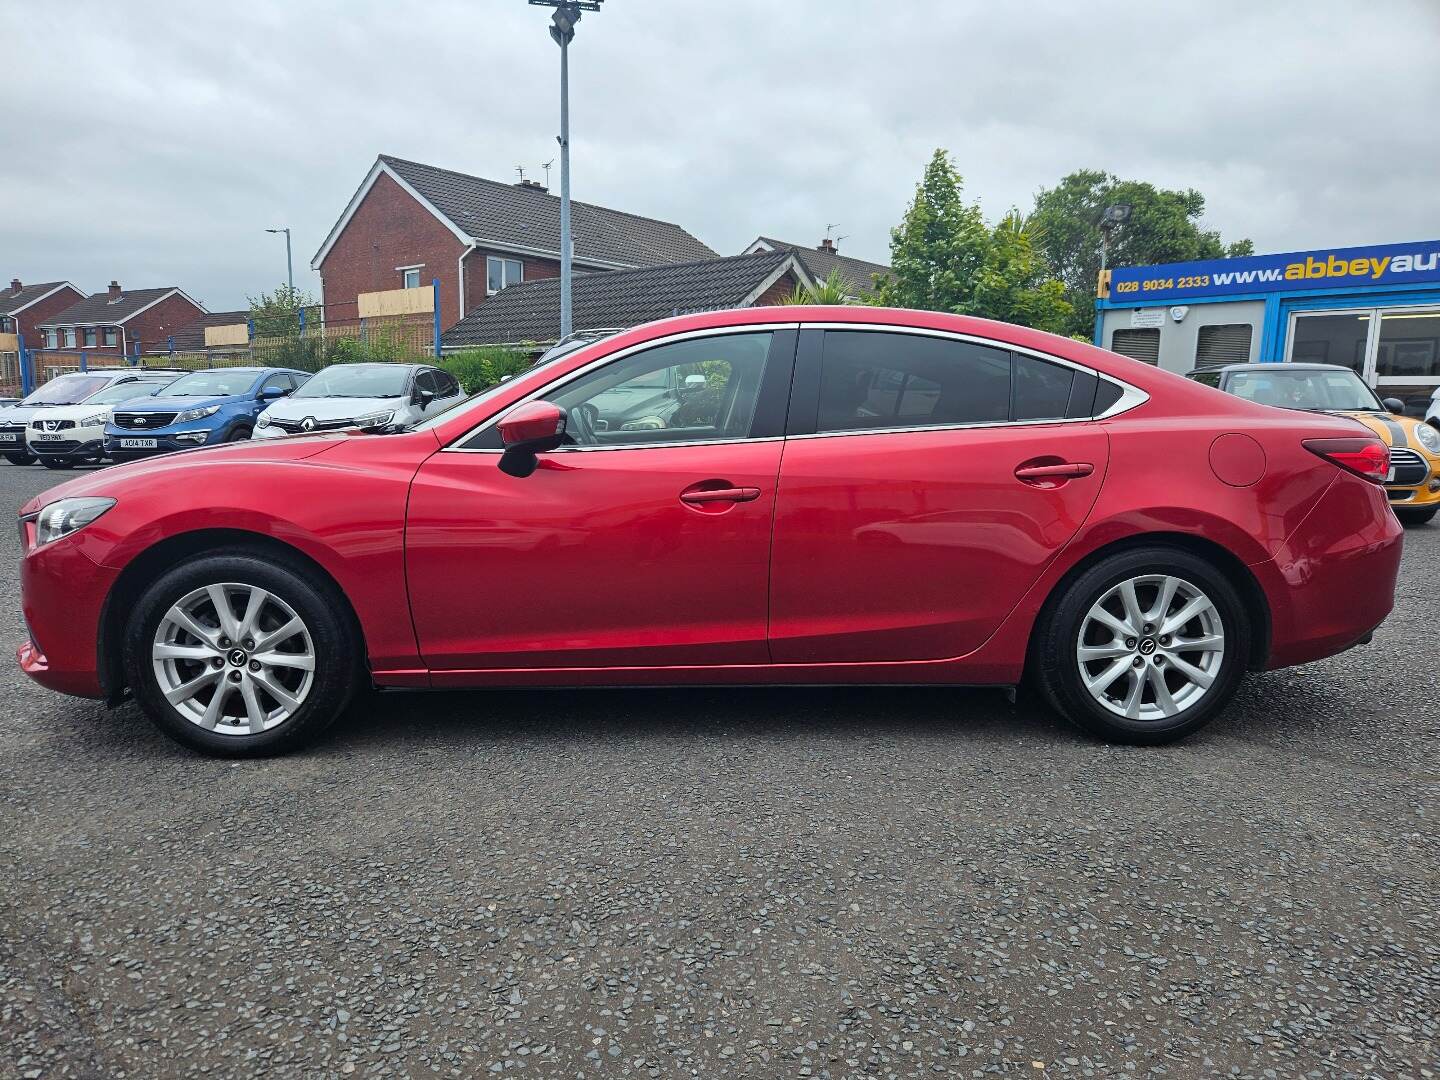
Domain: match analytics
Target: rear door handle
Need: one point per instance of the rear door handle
(1068, 470)
(714, 495)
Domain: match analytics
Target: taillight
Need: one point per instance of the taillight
(1367, 458)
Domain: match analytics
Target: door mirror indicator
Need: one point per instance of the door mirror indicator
(528, 430)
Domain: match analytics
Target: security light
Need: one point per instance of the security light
(1117, 214)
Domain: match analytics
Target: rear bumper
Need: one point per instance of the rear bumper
(1333, 580)
(63, 597)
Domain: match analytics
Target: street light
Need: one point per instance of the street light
(289, 265)
(562, 31)
(1111, 218)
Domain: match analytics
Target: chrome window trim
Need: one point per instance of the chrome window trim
(710, 331)
(1130, 396)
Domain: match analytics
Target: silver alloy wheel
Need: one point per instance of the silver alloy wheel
(233, 658)
(1151, 647)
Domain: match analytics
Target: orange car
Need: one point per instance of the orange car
(1414, 483)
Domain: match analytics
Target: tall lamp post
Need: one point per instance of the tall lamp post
(562, 30)
(289, 264)
(1111, 218)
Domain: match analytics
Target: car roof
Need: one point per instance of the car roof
(1289, 365)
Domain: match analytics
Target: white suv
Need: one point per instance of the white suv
(66, 435)
(75, 388)
(361, 395)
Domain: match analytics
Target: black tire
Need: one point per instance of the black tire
(1056, 669)
(239, 433)
(20, 459)
(56, 463)
(338, 652)
(1411, 518)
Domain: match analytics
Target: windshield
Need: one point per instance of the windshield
(1305, 388)
(67, 390)
(127, 390)
(212, 384)
(357, 381)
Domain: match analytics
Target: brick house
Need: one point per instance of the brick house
(120, 322)
(529, 314)
(24, 307)
(409, 224)
(858, 274)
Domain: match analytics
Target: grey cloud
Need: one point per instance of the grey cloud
(154, 141)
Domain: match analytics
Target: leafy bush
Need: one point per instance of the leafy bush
(480, 369)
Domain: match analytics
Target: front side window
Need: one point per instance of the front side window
(874, 380)
(697, 390)
(502, 272)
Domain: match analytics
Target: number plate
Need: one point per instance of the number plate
(9, 436)
(137, 444)
(49, 437)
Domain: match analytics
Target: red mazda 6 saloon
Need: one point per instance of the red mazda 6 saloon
(773, 495)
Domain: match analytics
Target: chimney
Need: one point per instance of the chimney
(533, 185)
(15, 285)
(114, 291)
(827, 245)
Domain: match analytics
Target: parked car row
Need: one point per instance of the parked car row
(129, 413)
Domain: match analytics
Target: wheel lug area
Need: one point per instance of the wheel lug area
(1138, 662)
(1165, 640)
(1130, 642)
(254, 665)
(248, 644)
(1149, 627)
(217, 663)
(225, 642)
(234, 676)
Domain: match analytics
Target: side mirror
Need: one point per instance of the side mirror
(423, 398)
(694, 382)
(1395, 405)
(528, 430)
(270, 393)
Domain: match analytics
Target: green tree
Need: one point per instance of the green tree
(277, 314)
(832, 290)
(1164, 226)
(944, 257)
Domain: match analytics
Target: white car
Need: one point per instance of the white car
(75, 388)
(1432, 414)
(361, 395)
(65, 435)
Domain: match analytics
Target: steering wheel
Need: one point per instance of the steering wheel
(581, 426)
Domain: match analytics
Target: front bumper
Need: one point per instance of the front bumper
(167, 441)
(77, 449)
(63, 595)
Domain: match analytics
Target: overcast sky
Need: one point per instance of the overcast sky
(153, 142)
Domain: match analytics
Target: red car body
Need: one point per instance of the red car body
(914, 556)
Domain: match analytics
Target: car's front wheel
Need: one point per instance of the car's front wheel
(236, 654)
(1146, 646)
(20, 459)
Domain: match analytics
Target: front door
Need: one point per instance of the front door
(936, 481)
(644, 542)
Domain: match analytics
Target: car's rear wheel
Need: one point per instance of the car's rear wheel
(1146, 646)
(20, 459)
(1416, 517)
(238, 655)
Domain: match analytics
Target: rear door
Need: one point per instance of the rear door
(926, 482)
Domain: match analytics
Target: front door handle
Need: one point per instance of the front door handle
(715, 495)
(1065, 470)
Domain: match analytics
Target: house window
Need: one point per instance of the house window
(7, 325)
(410, 278)
(52, 339)
(92, 338)
(502, 272)
(70, 339)
(112, 337)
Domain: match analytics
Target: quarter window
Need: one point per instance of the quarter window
(502, 272)
(876, 380)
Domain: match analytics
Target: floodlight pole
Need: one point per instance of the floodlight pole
(289, 263)
(565, 238)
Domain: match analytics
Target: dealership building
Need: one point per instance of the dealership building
(1373, 309)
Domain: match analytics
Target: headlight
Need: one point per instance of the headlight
(96, 420)
(374, 420)
(1429, 437)
(196, 414)
(65, 516)
(264, 420)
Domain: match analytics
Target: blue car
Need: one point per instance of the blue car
(199, 409)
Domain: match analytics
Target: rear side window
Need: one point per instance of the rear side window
(872, 380)
(1041, 390)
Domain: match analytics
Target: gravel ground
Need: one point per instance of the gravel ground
(719, 883)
